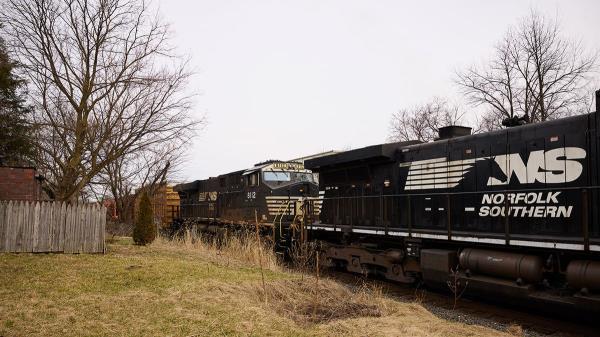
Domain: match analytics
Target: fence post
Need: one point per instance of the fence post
(102, 229)
(68, 233)
(35, 217)
(62, 226)
(9, 220)
(23, 223)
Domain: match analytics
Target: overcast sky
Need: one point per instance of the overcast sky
(283, 79)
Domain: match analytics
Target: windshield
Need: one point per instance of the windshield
(277, 176)
(282, 178)
(302, 177)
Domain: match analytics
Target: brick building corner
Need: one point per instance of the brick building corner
(20, 183)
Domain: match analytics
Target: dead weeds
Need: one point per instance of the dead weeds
(515, 330)
(305, 303)
(194, 287)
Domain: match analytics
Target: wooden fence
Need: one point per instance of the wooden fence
(51, 227)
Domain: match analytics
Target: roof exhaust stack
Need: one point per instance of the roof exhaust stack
(453, 131)
(510, 122)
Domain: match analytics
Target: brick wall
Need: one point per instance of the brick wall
(19, 183)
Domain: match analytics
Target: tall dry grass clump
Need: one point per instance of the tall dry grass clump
(304, 297)
(515, 330)
(306, 303)
(240, 248)
(303, 257)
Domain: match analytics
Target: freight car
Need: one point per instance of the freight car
(510, 214)
(269, 194)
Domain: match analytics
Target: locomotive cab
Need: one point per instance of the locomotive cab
(270, 193)
(277, 189)
(282, 176)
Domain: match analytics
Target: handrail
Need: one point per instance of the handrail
(282, 206)
(287, 207)
(508, 232)
(427, 193)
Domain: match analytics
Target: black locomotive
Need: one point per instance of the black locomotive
(514, 212)
(270, 195)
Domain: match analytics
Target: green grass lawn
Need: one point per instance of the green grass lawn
(170, 290)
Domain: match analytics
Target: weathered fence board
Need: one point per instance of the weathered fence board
(51, 227)
(69, 232)
(2, 226)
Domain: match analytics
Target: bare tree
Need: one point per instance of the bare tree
(495, 85)
(104, 82)
(535, 73)
(143, 170)
(423, 122)
(560, 70)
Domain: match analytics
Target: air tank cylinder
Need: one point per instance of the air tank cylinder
(584, 274)
(502, 264)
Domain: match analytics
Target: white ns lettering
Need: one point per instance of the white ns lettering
(552, 167)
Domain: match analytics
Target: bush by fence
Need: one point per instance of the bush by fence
(51, 227)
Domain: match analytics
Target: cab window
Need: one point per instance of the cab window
(252, 179)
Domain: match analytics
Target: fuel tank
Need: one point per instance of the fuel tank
(502, 264)
(584, 274)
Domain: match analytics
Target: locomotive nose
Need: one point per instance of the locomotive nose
(304, 189)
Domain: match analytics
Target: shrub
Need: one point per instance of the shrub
(118, 228)
(144, 231)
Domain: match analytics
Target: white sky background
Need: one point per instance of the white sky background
(283, 79)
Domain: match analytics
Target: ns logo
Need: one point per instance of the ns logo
(555, 166)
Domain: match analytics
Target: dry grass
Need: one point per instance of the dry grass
(233, 250)
(515, 330)
(307, 303)
(191, 288)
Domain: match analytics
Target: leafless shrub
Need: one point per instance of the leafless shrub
(117, 228)
(303, 256)
(456, 286)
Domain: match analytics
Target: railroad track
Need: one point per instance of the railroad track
(475, 311)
